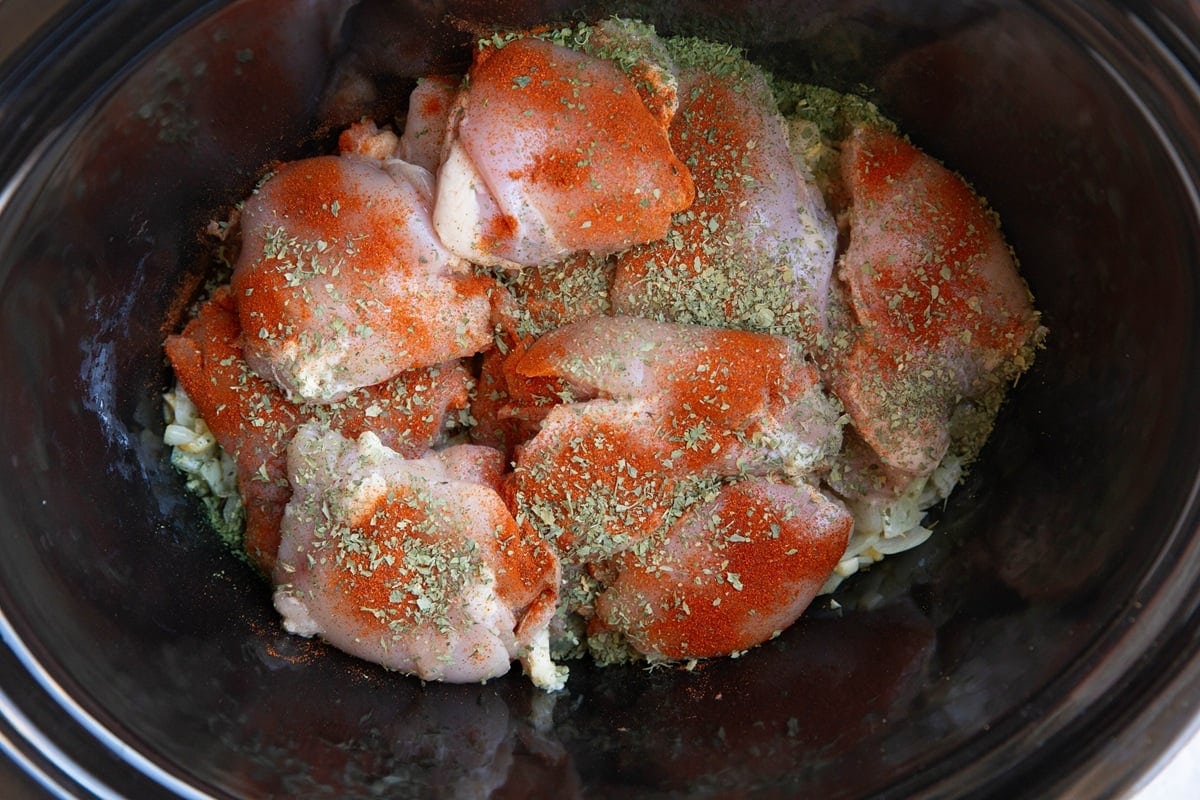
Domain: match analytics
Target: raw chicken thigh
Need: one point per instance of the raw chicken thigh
(425, 126)
(550, 152)
(756, 249)
(729, 401)
(342, 282)
(411, 563)
(731, 573)
(254, 422)
(626, 477)
(943, 313)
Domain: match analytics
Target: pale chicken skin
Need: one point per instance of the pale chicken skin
(756, 249)
(342, 283)
(411, 563)
(254, 422)
(368, 139)
(551, 151)
(425, 124)
(943, 314)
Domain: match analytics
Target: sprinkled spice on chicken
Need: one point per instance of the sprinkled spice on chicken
(616, 345)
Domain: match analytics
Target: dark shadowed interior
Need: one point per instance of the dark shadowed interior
(1050, 616)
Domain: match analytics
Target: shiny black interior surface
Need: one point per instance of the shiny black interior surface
(1050, 616)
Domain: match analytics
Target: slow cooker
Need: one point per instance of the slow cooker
(1045, 642)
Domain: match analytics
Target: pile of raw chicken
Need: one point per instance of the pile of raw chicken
(597, 354)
